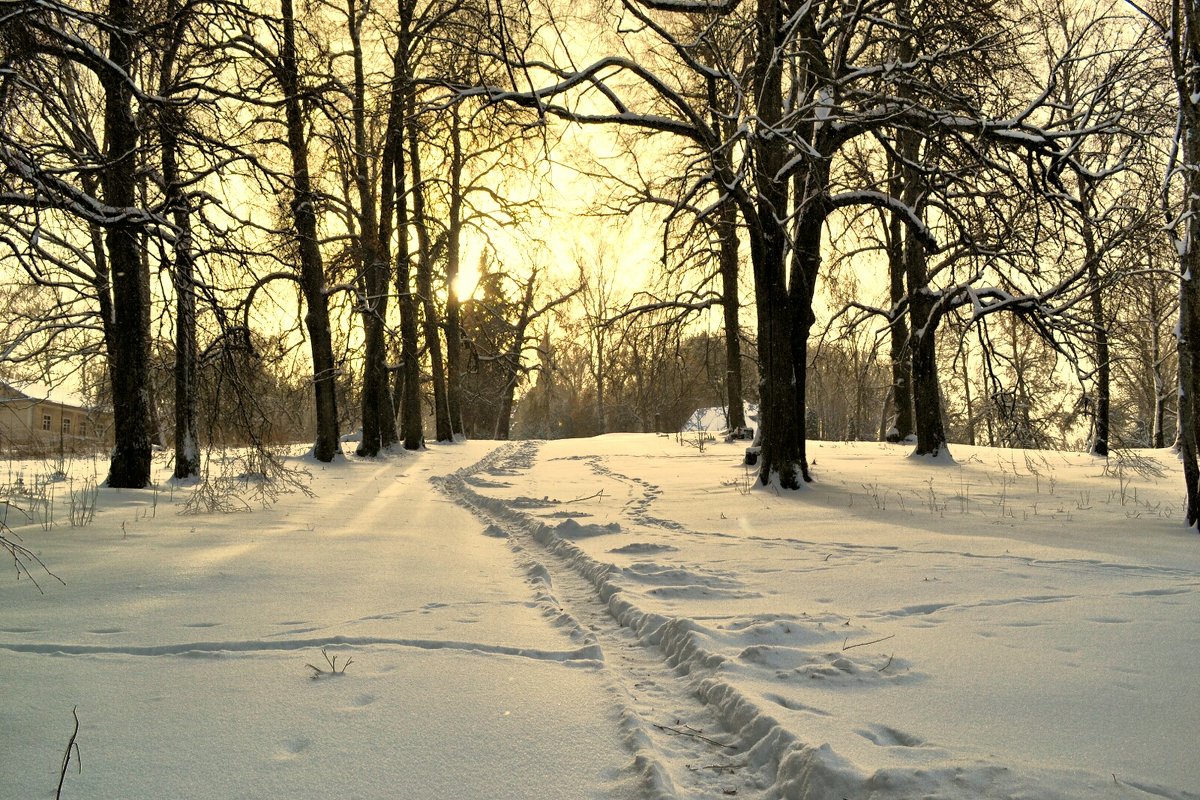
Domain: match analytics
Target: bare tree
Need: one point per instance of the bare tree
(53, 162)
(1178, 24)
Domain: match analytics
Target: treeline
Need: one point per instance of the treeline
(912, 205)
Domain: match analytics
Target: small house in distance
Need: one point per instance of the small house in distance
(36, 419)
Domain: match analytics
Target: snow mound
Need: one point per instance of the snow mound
(570, 529)
(643, 548)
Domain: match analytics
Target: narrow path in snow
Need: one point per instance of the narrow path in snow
(680, 746)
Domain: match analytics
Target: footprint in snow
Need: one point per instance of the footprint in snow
(292, 748)
(884, 736)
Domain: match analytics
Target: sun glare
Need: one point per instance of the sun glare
(467, 282)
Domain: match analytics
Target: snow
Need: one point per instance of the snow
(714, 419)
(620, 617)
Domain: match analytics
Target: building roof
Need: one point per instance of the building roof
(36, 390)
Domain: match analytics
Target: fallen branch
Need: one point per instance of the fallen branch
(864, 644)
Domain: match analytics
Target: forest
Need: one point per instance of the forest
(244, 223)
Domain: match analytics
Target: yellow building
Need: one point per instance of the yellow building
(38, 419)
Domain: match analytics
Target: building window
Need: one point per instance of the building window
(66, 425)
(45, 422)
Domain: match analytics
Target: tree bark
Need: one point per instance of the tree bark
(129, 340)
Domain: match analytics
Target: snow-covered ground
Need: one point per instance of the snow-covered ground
(620, 617)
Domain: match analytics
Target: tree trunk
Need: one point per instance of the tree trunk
(410, 369)
(504, 415)
(312, 270)
(970, 405)
(1103, 369)
(408, 378)
(378, 416)
(1189, 340)
(1158, 383)
(727, 236)
(781, 430)
(129, 342)
(901, 355)
(806, 265)
(1100, 356)
(187, 447)
(443, 430)
(927, 397)
(454, 366)
(1185, 60)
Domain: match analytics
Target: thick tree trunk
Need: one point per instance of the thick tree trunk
(312, 270)
(129, 341)
(924, 318)
(781, 429)
(781, 433)
(927, 396)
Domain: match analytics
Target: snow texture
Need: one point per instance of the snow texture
(1010, 625)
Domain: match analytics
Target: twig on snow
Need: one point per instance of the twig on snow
(730, 768)
(333, 666)
(599, 494)
(693, 733)
(864, 644)
(72, 746)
